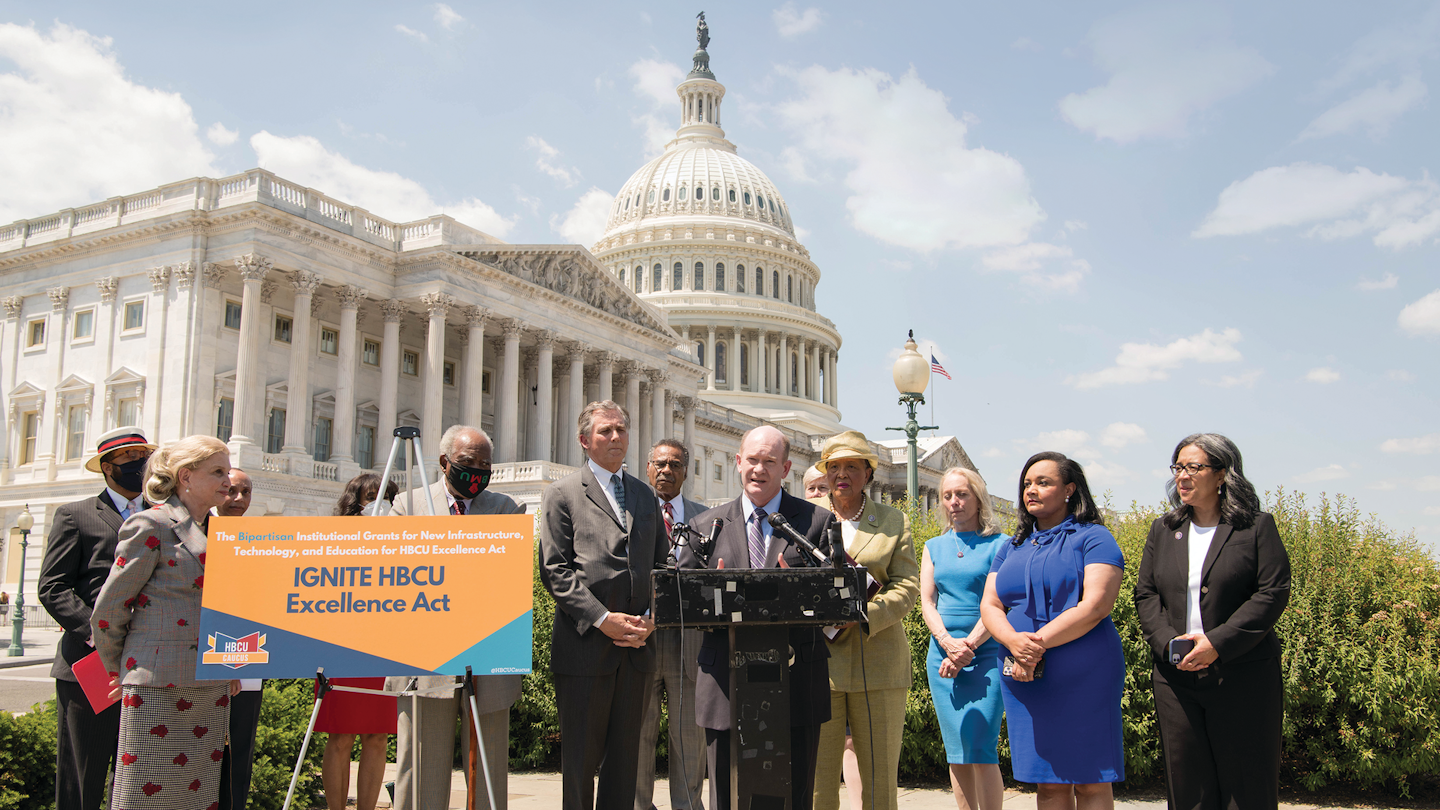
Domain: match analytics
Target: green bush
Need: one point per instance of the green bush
(284, 716)
(27, 759)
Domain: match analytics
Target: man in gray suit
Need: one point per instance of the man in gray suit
(78, 557)
(675, 662)
(600, 536)
(465, 454)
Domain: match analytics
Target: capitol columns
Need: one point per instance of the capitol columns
(802, 367)
(472, 403)
(687, 406)
(544, 394)
(834, 378)
(344, 438)
(784, 366)
(760, 382)
(156, 316)
(297, 398)
(437, 306)
(732, 358)
(507, 426)
(576, 397)
(815, 392)
(661, 420)
(633, 371)
(393, 312)
(607, 379)
(710, 358)
(248, 382)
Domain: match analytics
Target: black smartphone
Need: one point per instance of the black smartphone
(1008, 668)
(1179, 648)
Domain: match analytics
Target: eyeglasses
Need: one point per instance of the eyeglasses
(667, 465)
(1193, 469)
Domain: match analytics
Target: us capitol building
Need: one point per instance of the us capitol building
(303, 330)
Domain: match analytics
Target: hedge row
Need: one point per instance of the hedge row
(1361, 667)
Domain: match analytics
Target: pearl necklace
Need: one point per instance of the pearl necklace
(863, 500)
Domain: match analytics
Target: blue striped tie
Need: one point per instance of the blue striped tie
(757, 539)
(618, 487)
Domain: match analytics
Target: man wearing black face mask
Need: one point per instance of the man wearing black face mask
(465, 466)
(78, 557)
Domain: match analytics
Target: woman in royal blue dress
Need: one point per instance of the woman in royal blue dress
(1047, 601)
(963, 667)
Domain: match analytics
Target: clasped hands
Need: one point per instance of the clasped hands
(959, 652)
(626, 630)
(1199, 658)
(1027, 649)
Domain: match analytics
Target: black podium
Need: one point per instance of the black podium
(758, 606)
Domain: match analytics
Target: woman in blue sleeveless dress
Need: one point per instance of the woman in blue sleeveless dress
(1048, 601)
(963, 667)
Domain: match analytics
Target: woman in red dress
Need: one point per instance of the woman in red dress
(343, 715)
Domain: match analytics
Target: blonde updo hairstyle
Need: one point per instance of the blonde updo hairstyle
(162, 471)
(989, 521)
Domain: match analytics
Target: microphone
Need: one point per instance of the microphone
(781, 525)
(708, 547)
(837, 544)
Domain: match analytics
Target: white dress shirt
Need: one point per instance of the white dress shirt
(771, 507)
(1200, 537)
(121, 504)
(605, 477)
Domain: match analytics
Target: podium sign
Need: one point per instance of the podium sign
(366, 596)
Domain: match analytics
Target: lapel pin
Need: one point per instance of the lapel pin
(872, 518)
(1179, 536)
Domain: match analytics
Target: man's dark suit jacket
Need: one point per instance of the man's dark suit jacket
(1245, 586)
(809, 674)
(592, 565)
(78, 556)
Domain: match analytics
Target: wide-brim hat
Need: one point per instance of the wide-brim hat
(850, 444)
(120, 438)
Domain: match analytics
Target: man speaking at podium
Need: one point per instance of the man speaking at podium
(745, 541)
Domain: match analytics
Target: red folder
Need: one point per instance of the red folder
(94, 680)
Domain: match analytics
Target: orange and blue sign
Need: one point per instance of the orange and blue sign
(366, 596)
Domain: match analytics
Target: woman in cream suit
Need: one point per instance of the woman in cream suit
(146, 627)
(869, 673)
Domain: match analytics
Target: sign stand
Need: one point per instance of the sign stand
(406, 441)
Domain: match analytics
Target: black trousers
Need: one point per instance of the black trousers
(84, 748)
(244, 721)
(1220, 736)
(600, 720)
(804, 746)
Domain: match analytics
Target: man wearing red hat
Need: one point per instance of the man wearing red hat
(78, 556)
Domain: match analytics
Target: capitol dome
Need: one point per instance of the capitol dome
(704, 235)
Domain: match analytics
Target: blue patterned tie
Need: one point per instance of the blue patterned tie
(618, 487)
(757, 539)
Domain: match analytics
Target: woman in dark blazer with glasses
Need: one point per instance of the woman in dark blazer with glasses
(1213, 582)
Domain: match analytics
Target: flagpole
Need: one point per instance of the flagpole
(933, 391)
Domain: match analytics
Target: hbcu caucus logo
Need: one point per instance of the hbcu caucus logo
(236, 652)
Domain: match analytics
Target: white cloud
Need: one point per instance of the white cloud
(1307, 193)
(1430, 483)
(1399, 375)
(913, 181)
(1431, 510)
(1119, 434)
(1423, 316)
(547, 162)
(74, 129)
(1420, 446)
(655, 80)
(220, 136)
(1073, 225)
(304, 160)
(1166, 64)
(411, 32)
(1245, 379)
(1032, 258)
(584, 223)
(1073, 443)
(1372, 110)
(1330, 472)
(1381, 486)
(1322, 375)
(1385, 282)
(1147, 362)
(791, 22)
(447, 17)
(993, 452)
(1407, 44)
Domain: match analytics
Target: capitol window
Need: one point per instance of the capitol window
(720, 277)
(775, 284)
(665, 195)
(275, 431)
(83, 327)
(715, 193)
(759, 281)
(134, 316)
(324, 430)
(747, 198)
(790, 289)
(225, 419)
(744, 364)
(700, 352)
(449, 373)
(739, 278)
(677, 276)
(657, 279)
(699, 276)
(732, 195)
(232, 314)
(682, 194)
(410, 363)
(761, 199)
(29, 433)
(283, 326)
(370, 354)
(720, 362)
(650, 198)
(329, 341)
(699, 194)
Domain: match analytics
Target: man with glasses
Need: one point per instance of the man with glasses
(78, 556)
(674, 672)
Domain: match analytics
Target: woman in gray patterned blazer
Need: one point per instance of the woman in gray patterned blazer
(146, 624)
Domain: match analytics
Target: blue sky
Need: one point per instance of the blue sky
(1117, 224)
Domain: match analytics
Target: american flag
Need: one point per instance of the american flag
(939, 369)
